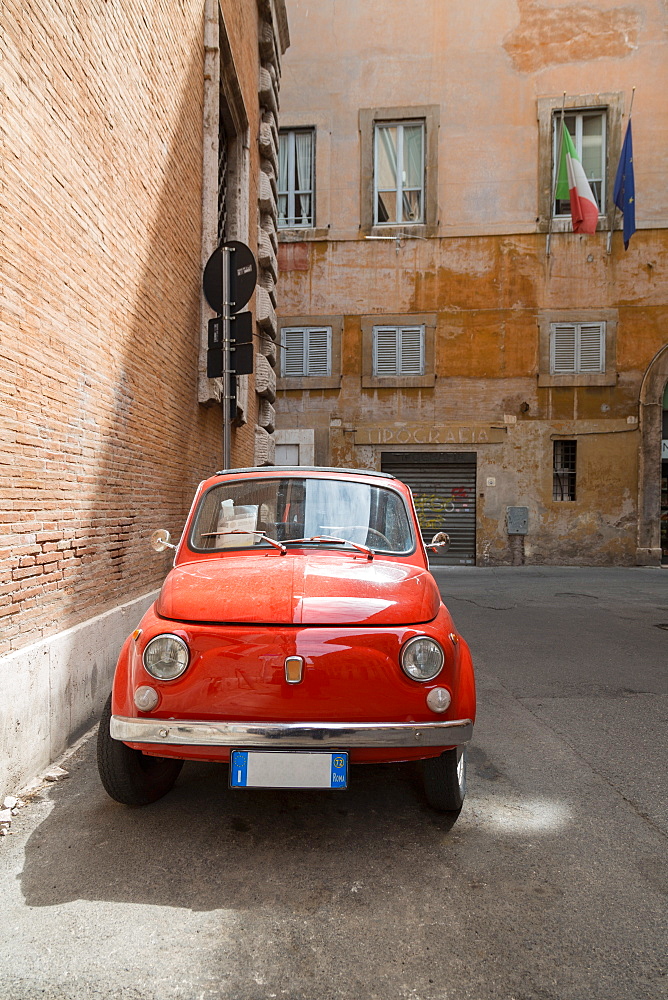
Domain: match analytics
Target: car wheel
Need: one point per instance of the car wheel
(128, 775)
(444, 780)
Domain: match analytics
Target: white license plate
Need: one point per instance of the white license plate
(288, 769)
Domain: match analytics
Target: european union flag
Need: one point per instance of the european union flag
(624, 192)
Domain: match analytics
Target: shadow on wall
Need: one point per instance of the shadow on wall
(155, 442)
(146, 442)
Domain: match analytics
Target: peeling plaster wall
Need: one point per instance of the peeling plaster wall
(548, 35)
(483, 273)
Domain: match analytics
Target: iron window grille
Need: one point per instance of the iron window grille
(563, 477)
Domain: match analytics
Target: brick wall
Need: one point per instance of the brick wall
(102, 438)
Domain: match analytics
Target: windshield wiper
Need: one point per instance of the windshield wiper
(335, 541)
(241, 531)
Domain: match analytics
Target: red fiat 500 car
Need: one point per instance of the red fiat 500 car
(299, 634)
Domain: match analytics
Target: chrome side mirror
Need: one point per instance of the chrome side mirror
(159, 540)
(441, 540)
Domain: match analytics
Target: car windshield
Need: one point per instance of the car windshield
(235, 514)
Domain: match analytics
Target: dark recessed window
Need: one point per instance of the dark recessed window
(563, 478)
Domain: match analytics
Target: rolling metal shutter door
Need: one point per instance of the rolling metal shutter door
(444, 490)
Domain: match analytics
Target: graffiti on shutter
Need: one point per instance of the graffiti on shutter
(444, 491)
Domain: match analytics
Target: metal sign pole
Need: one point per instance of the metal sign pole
(226, 315)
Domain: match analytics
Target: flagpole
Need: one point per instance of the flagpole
(614, 207)
(556, 177)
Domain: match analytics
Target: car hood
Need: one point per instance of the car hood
(318, 588)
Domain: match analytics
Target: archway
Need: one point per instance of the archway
(651, 410)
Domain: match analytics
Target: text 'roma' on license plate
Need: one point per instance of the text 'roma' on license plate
(288, 769)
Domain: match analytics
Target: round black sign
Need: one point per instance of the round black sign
(243, 276)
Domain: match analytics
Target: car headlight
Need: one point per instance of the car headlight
(166, 657)
(422, 658)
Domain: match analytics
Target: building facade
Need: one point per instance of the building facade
(439, 317)
(133, 137)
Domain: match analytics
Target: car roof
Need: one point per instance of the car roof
(269, 469)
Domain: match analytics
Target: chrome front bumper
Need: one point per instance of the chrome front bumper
(337, 735)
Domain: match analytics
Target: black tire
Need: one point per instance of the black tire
(128, 775)
(444, 780)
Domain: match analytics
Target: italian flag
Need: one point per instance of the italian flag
(572, 183)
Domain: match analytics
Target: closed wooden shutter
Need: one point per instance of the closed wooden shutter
(385, 360)
(318, 351)
(293, 352)
(591, 347)
(563, 348)
(577, 347)
(411, 350)
(444, 490)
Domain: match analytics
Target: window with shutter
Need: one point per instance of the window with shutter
(306, 351)
(577, 348)
(398, 350)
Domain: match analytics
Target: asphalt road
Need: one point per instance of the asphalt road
(550, 886)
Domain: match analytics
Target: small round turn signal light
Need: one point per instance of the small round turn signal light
(439, 699)
(146, 698)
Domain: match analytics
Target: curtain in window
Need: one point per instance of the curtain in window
(386, 166)
(283, 146)
(303, 157)
(412, 193)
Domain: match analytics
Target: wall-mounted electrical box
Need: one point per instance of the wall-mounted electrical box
(517, 520)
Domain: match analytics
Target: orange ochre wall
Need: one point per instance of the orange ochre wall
(481, 268)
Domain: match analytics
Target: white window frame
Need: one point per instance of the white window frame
(580, 114)
(306, 332)
(399, 333)
(290, 221)
(576, 329)
(399, 125)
